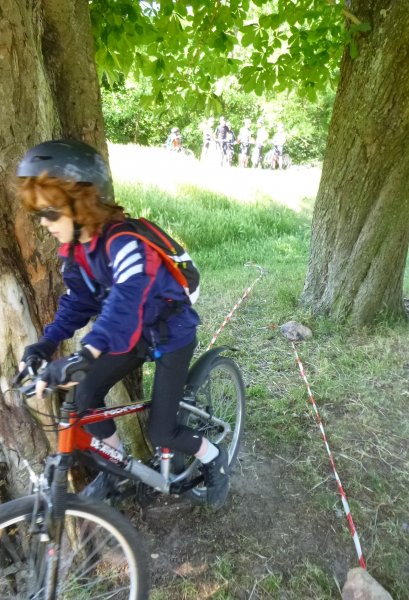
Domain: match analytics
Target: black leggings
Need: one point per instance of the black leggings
(169, 381)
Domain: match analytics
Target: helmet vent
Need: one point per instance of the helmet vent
(38, 158)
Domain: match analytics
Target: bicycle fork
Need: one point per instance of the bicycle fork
(50, 505)
(59, 501)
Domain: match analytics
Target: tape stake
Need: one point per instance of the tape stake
(344, 500)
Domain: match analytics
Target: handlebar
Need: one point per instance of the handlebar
(29, 389)
(33, 371)
(30, 375)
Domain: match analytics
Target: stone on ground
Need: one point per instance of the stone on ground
(295, 332)
(361, 586)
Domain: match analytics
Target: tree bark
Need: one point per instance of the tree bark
(360, 230)
(49, 90)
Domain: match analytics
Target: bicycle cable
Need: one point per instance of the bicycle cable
(34, 411)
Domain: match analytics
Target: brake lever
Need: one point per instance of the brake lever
(33, 366)
(21, 375)
(29, 390)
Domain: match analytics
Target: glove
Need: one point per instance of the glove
(36, 353)
(33, 356)
(63, 370)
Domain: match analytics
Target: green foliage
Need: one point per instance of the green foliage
(129, 120)
(185, 49)
(236, 58)
(307, 124)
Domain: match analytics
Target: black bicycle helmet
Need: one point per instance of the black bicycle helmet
(69, 160)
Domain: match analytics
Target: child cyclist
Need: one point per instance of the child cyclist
(122, 281)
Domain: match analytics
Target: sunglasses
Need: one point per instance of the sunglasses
(50, 213)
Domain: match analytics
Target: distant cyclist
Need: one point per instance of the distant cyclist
(279, 140)
(230, 141)
(208, 138)
(221, 139)
(245, 139)
(261, 139)
(174, 141)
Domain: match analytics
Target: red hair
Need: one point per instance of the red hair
(79, 201)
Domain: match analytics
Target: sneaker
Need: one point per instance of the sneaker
(100, 487)
(216, 479)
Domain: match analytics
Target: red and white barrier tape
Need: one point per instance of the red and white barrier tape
(345, 504)
(236, 306)
(331, 460)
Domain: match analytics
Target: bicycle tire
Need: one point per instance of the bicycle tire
(222, 374)
(94, 533)
(287, 162)
(188, 153)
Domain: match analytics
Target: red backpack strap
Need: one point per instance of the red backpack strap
(159, 233)
(180, 278)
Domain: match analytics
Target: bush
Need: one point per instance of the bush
(129, 118)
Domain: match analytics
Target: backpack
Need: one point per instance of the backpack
(174, 256)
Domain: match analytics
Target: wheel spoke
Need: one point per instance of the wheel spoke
(221, 394)
(101, 555)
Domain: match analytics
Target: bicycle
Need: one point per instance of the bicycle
(256, 156)
(57, 545)
(271, 160)
(221, 147)
(179, 149)
(244, 154)
(229, 154)
(186, 152)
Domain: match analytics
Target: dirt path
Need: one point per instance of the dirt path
(264, 530)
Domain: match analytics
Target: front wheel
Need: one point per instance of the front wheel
(221, 394)
(101, 554)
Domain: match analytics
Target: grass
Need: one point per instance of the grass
(220, 233)
(358, 376)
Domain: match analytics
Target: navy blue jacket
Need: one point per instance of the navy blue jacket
(123, 282)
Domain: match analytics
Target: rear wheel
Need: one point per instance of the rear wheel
(101, 554)
(187, 153)
(221, 394)
(286, 161)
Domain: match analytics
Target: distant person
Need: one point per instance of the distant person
(208, 138)
(230, 137)
(230, 142)
(279, 140)
(261, 139)
(221, 139)
(174, 141)
(245, 139)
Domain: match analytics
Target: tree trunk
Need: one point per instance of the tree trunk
(360, 230)
(49, 89)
